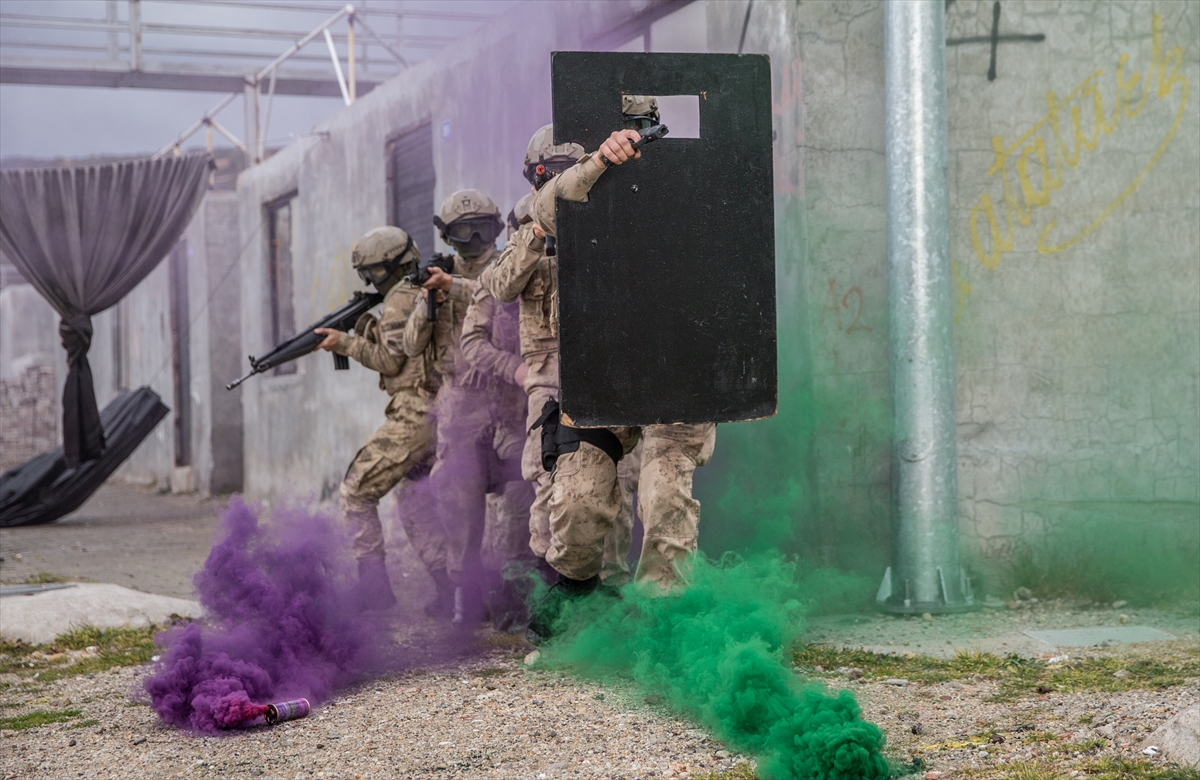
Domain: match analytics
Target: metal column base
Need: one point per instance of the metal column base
(894, 601)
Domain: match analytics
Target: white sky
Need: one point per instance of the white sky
(39, 121)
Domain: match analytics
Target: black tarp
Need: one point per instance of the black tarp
(84, 237)
(46, 488)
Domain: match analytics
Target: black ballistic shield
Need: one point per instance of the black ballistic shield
(667, 274)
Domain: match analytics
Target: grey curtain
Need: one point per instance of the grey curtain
(84, 237)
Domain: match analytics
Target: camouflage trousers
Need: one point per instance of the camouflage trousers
(615, 570)
(506, 529)
(541, 385)
(669, 513)
(387, 460)
(464, 473)
(589, 515)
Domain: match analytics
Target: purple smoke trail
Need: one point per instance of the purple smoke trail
(284, 622)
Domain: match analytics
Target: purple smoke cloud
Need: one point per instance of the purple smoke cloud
(284, 621)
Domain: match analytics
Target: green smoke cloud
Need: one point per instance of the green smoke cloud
(716, 651)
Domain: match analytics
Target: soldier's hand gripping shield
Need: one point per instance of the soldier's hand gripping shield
(666, 275)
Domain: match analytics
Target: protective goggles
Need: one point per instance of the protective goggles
(462, 230)
(375, 274)
(550, 168)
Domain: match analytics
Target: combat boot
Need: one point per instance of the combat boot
(442, 605)
(547, 611)
(374, 586)
(468, 605)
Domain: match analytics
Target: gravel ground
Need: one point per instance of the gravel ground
(486, 717)
(491, 716)
(952, 726)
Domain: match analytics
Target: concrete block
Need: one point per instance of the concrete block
(1179, 738)
(39, 618)
(181, 480)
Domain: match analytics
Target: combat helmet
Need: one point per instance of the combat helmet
(554, 159)
(383, 255)
(639, 111)
(469, 221)
(520, 213)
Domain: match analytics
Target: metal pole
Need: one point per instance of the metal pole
(925, 575)
(135, 34)
(110, 16)
(337, 67)
(250, 92)
(350, 55)
(266, 121)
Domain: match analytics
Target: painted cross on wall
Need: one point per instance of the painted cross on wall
(995, 38)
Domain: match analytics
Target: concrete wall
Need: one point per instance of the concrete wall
(1078, 316)
(214, 311)
(29, 409)
(485, 97)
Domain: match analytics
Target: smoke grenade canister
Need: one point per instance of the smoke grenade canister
(287, 710)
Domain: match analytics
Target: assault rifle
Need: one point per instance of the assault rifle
(306, 341)
(421, 275)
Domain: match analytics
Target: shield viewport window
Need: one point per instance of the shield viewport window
(681, 114)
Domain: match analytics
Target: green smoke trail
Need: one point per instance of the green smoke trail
(716, 651)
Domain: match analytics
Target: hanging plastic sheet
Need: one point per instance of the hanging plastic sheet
(46, 488)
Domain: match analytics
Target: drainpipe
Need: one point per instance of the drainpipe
(925, 575)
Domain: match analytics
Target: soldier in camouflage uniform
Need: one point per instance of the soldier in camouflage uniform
(470, 222)
(398, 452)
(490, 343)
(586, 495)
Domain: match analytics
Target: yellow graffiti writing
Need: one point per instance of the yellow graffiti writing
(1073, 125)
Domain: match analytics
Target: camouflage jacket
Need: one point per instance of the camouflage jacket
(439, 340)
(378, 344)
(524, 272)
(490, 344)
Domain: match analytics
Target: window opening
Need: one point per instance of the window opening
(411, 180)
(279, 274)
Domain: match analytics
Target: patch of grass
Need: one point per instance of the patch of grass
(32, 720)
(1039, 736)
(739, 772)
(1016, 676)
(1101, 769)
(43, 577)
(83, 724)
(114, 647)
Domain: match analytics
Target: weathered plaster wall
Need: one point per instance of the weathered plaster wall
(1078, 315)
(214, 311)
(1077, 332)
(1075, 182)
